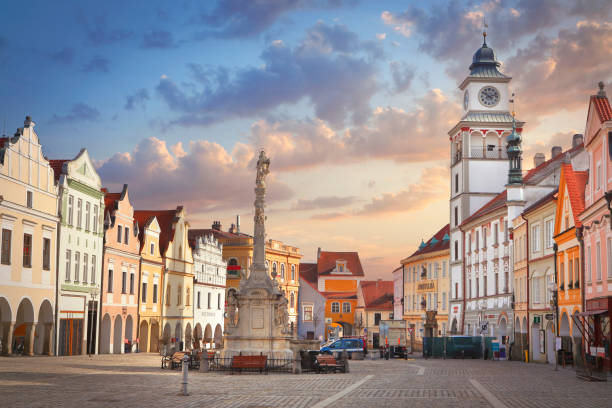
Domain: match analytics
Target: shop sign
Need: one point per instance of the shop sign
(427, 286)
(537, 319)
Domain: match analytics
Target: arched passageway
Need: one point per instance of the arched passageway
(105, 335)
(117, 335)
(143, 337)
(218, 336)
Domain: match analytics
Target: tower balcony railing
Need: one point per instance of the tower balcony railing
(487, 152)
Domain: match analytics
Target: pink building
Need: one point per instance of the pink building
(597, 228)
(120, 282)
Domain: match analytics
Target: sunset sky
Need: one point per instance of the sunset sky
(350, 99)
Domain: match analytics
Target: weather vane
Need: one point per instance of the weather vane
(511, 100)
(484, 28)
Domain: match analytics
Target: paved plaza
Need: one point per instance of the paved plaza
(137, 380)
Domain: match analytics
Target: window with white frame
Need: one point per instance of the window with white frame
(535, 238)
(87, 215)
(346, 307)
(29, 199)
(70, 210)
(307, 313)
(293, 273)
(549, 227)
(85, 267)
(77, 265)
(335, 307)
(495, 234)
(68, 263)
(79, 212)
(93, 269)
(588, 264)
(282, 268)
(484, 237)
(95, 219)
(598, 260)
(599, 177)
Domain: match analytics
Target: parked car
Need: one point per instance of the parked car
(348, 345)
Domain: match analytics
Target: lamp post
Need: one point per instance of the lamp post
(94, 295)
(552, 288)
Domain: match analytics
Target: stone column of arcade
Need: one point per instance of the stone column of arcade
(30, 332)
(48, 344)
(7, 338)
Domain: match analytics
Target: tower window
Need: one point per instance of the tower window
(457, 183)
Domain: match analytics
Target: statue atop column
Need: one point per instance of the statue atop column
(258, 269)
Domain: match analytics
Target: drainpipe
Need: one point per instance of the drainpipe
(463, 275)
(57, 277)
(527, 260)
(104, 227)
(556, 305)
(580, 237)
(138, 301)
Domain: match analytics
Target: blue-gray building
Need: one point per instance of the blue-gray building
(311, 305)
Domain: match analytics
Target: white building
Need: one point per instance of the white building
(209, 289)
(398, 293)
(79, 269)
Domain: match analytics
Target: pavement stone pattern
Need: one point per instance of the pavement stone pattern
(137, 380)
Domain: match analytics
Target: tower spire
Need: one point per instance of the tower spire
(484, 30)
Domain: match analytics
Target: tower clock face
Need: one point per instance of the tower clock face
(466, 100)
(489, 96)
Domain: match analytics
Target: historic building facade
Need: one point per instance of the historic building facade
(81, 241)
(120, 274)
(28, 223)
(521, 288)
(374, 303)
(597, 225)
(151, 283)
(311, 304)
(398, 292)
(209, 269)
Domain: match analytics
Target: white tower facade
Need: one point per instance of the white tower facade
(479, 162)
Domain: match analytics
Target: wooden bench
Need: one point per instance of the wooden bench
(249, 363)
(173, 361)
(326, 363)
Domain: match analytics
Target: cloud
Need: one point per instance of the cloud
(96, 64)
(531, 147)
(322, 202)
(158, 39)
(203, 176)
(330, 68)
(80, 112)
(391, 133)
(137, 99)
(381, 36)
(99, 34)
(329, 216)
(63, 56)
(402, 75)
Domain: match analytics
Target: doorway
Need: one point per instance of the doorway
(71, 337)
(375, 340)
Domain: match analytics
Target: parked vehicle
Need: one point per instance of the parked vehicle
(393, 336)
(350, 345)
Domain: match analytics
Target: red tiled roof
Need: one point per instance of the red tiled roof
(308, 271)
(602, 106)
(192, 234)
(536, 170)
(142, 220)
(576, 183)
(496, 202)
(3, 140)
(327, 262)
(438, 245)
(377, 294)
(340, 295)
(57, 165)
(110, 199)
(166, 219)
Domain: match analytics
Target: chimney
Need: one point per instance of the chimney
(577, 139)
(555, 151)
(232, 229)
(538, 159)
(216, 225)
(318, 253)
(238, 224)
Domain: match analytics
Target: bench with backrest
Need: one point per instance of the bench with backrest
(176, 361)
(240, 363)
(326, 363)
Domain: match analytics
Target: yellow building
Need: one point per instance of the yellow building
(427, 288)
(521, 325)
(28, 245)
(151, 282)
(282, 260)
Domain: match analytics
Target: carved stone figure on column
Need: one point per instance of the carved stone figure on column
(232, 310)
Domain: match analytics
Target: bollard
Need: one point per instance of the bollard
(204, 363)
(297, 364)
(185, 371)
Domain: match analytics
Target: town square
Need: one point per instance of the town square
(306, 203)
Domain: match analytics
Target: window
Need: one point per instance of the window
(456, 250)
(536, 290)
(477, 287)
(307, 315)
(588, 264)
(484, 237)
(46, 254)
(457, 183)
(435, 301)
(68, 261)
(293, 273)
(144, 292)
(188, 296)
(506, 235)
(6, 247)
(335, 307)
(209, 300)
(598, 260)
(95, 219)
(93, 269)
(443, 300)
(127, 236)
(109, 288)
(27, 250)
(535, 238)
(376, 319)
(346, 307)
(77, 265)
(428, 304)
(274, 271)
(132, 283)
(152, 248)
(456, 290)
(484, 285)
(577, 272)
(435, 270)
(549, 227)
(562, 276)
(119, 233)
(477, 240)
(292, 300)
(198, 300)
(70, 210)
(168, 294)
(470, 287)
(496, 283)
(282, 271)
(85, 267)
(79, 212)
(124, 282)
(218, 301)
(179, 295)
(570, 272)
(87, 215)
(506, 282)
(444, 269)
(29, 199)
(155, 293)
(598, 181)
(456, 216)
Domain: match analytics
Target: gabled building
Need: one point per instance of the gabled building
(178, 277)
(427, 287)
(81, 241)
(120, 276)
(28, 245)
(374, 303)
(311, 305)
(398, 292)
(150, 302)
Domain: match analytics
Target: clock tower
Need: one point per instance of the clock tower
(479, 159)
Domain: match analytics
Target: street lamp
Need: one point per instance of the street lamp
(552, 288)
(94, 295)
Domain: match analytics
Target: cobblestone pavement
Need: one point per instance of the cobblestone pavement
(137, 380)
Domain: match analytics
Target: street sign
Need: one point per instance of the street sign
(549, 316)
(484, 327)
(537, 319)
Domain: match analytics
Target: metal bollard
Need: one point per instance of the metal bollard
(185, 371)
